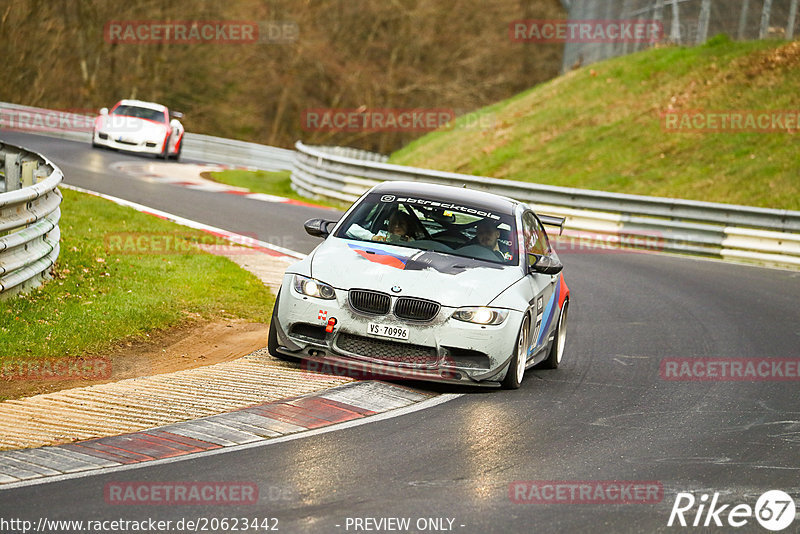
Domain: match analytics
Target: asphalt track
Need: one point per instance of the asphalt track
(606, 414)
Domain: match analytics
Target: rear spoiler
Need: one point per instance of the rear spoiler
(551, 220)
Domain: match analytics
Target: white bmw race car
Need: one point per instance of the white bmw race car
(143, 127)
(426, 282)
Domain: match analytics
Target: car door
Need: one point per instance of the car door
(543, 307)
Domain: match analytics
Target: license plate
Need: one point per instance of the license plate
(388, 330)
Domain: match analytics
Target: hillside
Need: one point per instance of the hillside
(602, 127)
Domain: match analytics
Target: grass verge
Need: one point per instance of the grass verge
(121, 275)
(601, 127)
(276, 183)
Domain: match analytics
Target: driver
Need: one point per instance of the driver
(488, 235)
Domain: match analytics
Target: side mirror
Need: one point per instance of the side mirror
(544, 264)
(318, 227)
(104, 111)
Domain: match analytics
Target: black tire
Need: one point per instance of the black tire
(94, 145)
(177, 155)
(556, 353)
(272, 338)
(516, 369)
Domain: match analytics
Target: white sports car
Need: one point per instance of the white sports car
(426, 282)
(137, 126)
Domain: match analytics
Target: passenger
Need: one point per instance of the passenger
(400, 225)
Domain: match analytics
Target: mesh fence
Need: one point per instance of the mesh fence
(687, 22)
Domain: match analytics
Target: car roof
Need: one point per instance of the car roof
(459, 195)
(142, 104)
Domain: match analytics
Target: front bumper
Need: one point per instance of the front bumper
(440, 350)
(129, 143)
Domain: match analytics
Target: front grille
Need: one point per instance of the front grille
(132, 143)
(370, 301)
(383, 349)
(415, 309)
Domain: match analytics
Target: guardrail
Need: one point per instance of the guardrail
(29, 215)
(729, 231)
(205, 148)
(722, 230)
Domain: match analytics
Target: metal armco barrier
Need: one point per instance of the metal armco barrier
(211, 149)
(29, 215)
(729, 231)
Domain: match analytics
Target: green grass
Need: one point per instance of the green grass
(103, 294)
(600, 128)
(277, 183)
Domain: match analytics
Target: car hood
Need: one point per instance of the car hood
(450, 280)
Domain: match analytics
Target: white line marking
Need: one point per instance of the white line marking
(430, 403)
(231, 236)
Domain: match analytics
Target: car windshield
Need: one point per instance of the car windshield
(433, 225)
(139, 112)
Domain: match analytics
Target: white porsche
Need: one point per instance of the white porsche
(426, 282)
(137, 126)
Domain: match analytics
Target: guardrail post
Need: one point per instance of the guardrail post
(12, 171)
(29, 167)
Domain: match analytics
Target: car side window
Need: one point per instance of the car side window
(534, 237)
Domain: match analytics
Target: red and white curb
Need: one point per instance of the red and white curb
(262, 246)
(272, 422)
(188, 175)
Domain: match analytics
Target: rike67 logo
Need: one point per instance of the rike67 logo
(774, 510)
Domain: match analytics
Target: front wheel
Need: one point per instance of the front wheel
(272, 338)
(516, 369)
(557, 349)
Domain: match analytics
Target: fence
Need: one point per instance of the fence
(29, 215)
(688, 22)
(721, 230)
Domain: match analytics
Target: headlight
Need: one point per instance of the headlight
(313, 288)
(481, 315)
